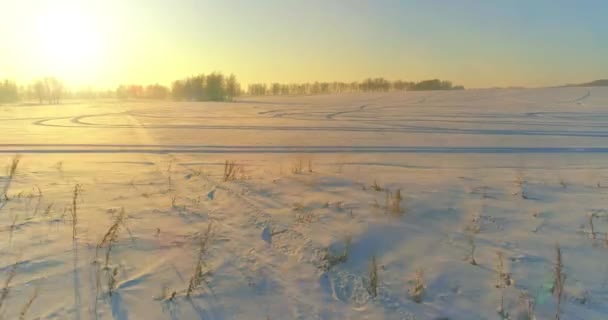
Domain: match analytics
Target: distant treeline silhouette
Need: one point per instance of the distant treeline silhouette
(211, 87)
(49, 90)
(367, 85)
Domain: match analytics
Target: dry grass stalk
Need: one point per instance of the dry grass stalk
(526, 307)
(111, 236)
(297, 167)
(372, 289)
(387, 197)
(470, 237)
(199, 276)
(559, 278)
(504, 314)
(74, 209)
(169, 174)
(591, 216)
(418, 287)
(48, 209)
(28, 304)
(310, 166)
(396, 202)
(174, 202)
(112, 281)
(11, 229)
(504, 278)
(6, 289)
(11, 171)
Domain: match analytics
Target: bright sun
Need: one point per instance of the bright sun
(69, 40)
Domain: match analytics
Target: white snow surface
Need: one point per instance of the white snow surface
(512, 170)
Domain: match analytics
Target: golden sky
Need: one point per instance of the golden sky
(475, 43)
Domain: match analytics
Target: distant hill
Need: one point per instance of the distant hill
(596, 83)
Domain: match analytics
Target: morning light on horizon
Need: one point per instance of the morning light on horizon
(475, 43)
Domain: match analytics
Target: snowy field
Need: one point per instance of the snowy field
(353, 206)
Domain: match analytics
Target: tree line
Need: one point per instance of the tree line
(367, 85)
(210, 87)
(49, 90)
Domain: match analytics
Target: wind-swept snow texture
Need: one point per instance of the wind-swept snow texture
(321, 185)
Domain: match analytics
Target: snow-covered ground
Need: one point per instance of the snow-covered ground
(509, 171)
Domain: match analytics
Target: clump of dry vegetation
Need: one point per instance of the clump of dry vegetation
(376, 187)
(231, 170)
(330, 259)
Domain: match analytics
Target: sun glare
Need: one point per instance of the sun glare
(69, 40)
